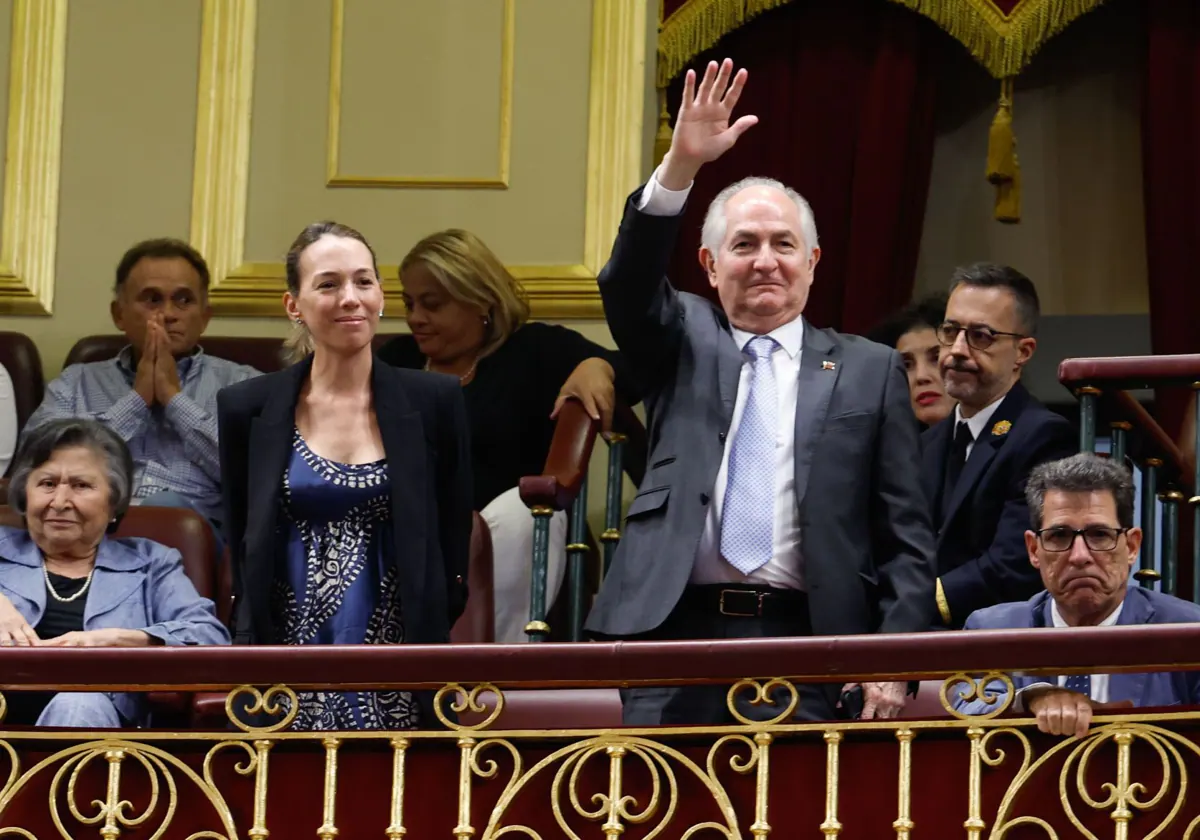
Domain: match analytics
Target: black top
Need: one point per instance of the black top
(62, 618)
(25, 707)
(510, 398)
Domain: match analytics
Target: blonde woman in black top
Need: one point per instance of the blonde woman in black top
(470, 317)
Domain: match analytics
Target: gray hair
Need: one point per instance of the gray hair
(713, 232)
(1082, 473)
(40, 444)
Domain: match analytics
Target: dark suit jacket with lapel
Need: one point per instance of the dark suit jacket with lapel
(867, 543)
(981, 555)
(1142, 606)
(423, 423)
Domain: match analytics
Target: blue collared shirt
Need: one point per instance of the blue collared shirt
(173, 448)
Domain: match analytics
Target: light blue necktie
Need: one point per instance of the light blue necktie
(748, 517)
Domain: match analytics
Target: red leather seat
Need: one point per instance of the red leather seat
(179, 528)
(556, 708)
(927, 703)
(21, 359)
(260, 353)
(265, 354)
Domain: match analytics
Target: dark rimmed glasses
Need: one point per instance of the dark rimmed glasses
(1096, 537)
(980, 338)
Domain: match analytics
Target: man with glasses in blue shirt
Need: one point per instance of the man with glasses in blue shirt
(1083, 544)
(974, 464)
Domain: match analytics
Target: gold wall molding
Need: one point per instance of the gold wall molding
(565, 291)
(33, 157)
(616, 103)
(333, 174)
(221, 171)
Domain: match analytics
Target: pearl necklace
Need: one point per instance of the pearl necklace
(76, 596)
(466, 377)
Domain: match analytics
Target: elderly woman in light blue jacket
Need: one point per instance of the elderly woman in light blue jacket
(65, 583)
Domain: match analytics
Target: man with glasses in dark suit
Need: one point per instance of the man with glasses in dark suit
(976, 461)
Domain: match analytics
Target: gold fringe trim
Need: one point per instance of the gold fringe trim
(697, 25)
(1004, 45)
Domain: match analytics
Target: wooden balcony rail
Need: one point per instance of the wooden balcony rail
(1130, 372)
(1169, 647)
(989, 775)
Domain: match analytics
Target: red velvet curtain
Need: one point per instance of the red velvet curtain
(1171, 177)
(844, 91)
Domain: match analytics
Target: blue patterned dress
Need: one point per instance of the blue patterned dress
(338, 585)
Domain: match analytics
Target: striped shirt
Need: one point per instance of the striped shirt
(173, 448)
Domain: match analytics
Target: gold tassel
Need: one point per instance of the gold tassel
(1008, 198)
(1002, 145)
(1003, 170)
(662, 139)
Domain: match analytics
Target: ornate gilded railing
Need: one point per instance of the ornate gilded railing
(563, 486)
(1169, 479)
(480, 775)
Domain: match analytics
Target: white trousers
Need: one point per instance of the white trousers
(511, 525)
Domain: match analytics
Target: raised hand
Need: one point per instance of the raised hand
(702, 129)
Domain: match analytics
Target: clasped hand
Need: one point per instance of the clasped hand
(16, 632)
(157, 379)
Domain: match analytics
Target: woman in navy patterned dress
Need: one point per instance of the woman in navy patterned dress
(347, 487)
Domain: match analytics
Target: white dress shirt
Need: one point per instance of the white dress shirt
(1099, 685)
(977, 424)
(784, 569)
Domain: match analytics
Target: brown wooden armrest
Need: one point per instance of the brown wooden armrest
(567, 464)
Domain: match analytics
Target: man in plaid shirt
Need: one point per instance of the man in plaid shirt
(160, 393)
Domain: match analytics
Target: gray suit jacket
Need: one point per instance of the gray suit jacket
(138, 585)
(867, 542)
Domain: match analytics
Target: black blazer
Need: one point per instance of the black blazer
(423, 423)
(981, 555)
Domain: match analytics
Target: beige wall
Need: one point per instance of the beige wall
(421, 97)
(1076, 116)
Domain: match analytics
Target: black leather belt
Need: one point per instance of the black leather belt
(733, 601)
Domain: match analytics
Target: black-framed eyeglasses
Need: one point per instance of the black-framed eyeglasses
(1095, 537)
(981, 338)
